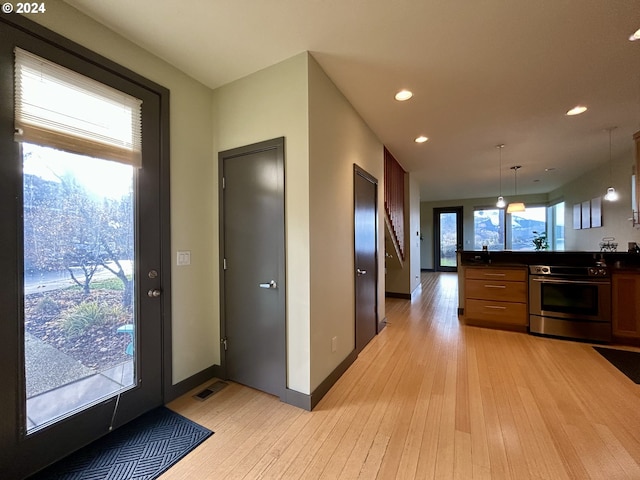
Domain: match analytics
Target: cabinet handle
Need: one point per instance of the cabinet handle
(495, 307)
(495, 286)
(495, 274)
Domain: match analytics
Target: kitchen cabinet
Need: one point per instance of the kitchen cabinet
(496, 297)
(635, 204)
(625, 306)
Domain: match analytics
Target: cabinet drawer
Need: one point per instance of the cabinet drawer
(505, 313)
(506, 274)
(496, 290)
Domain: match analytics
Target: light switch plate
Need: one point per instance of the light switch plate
(183, 258)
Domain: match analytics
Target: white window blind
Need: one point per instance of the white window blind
(60, 108)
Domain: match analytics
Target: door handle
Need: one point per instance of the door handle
(361, 272)
(154, 293)
(271, 284)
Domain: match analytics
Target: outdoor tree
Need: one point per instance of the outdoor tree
(117, 241)
(80, 219)
(66, 227)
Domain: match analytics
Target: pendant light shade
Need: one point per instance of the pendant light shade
(516, 206)
(611, 194)
(500, 203)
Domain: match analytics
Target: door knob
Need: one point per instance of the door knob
(361, 272)
(271, 284)
(154, 293)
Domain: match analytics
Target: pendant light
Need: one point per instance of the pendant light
(516, 206)
(611, 194)
(500, 203)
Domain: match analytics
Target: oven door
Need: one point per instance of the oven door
(586, 299)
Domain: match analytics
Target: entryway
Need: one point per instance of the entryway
(85, 236)
(447, 228)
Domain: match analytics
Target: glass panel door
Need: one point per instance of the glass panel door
(84, 305)
(448, 237)
(79, 315)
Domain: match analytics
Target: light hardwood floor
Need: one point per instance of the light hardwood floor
(432, 398)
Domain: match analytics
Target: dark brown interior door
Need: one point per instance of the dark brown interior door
(366, 271)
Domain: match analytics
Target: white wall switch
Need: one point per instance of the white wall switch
(183, 258)
(334, 344)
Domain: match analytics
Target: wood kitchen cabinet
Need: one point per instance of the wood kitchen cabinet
(496, 297)
(625, 307)
(636, 204)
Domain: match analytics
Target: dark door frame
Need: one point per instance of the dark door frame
(436, 235)
(358, 171)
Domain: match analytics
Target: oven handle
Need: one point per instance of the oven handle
(582, 282)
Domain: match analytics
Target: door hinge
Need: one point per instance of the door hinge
(223, 341)
(224, 263)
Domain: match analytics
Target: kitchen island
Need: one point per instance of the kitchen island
(565, 294)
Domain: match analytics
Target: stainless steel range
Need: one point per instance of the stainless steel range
(572, 302)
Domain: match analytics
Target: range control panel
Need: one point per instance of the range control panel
(597, 271)
(540, 270)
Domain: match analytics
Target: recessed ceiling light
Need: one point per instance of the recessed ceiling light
(635, 36)
(421, 139)
(403, 95)
(577, 110)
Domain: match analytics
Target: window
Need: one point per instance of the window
(60, 108)
(81, 141)
(488, 226)
(497, 230)
(524, 226)
(556, 226)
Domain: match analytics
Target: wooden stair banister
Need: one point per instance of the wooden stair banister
(394, 179)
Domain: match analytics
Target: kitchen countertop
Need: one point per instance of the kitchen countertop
(616, 261)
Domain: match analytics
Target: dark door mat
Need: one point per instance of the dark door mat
(210, 390)
(142, 450)
(624, 360)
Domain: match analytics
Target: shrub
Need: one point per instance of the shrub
(88, 314)
(46, 306)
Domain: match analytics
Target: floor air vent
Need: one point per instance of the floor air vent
(210, 390)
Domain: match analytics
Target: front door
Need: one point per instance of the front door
(81, 302)
(447, 229)
(366, 250)
(253, 270)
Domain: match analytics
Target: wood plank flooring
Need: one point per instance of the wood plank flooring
(432, 398)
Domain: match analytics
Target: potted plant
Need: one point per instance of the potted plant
(540, 241)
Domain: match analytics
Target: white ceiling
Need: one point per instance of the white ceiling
(483, 72)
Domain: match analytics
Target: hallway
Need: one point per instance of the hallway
(432, 398)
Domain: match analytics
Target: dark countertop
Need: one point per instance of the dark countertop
(616, 261)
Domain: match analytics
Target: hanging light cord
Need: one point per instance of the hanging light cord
(515, 180)
(500, 147)
(610, 164)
